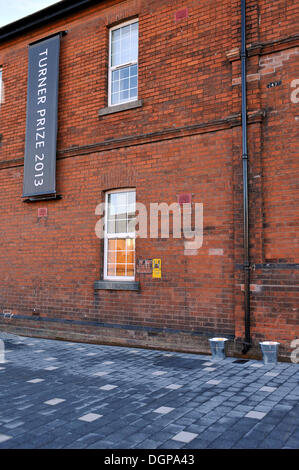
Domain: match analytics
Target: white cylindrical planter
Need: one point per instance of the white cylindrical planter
(218, 348)
(270, 352)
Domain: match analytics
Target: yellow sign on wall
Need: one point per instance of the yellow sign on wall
(157, 270)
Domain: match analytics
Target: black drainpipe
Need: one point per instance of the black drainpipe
(247, 341)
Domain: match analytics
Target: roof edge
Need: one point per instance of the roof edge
(41, 17)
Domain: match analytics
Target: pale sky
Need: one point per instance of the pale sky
(12, 10)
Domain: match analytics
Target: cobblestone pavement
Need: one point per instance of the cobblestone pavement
(57, 394)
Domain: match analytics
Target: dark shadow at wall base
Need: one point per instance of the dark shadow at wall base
(179, 342)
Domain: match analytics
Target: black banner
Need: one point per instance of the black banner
(41, 126)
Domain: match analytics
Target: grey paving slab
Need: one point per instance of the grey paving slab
(56, 394)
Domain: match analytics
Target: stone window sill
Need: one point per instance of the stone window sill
(120, 107)
(117, 285)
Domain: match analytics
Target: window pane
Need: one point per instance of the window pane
(121, 199)
(121, 257)
(111, 270)
(125, 35)
(115, 75)
(116, 35)
(121, 212)
(120, 270)
(115, 87)
(124, 73)
(130, 257)
(133, 70)
(115, 98)
(115, 52)
(132, 225)
(111, 226)
(125, 56)
(130, 270)
(133, 93)
(115, 60)
(121, 244)
(117, 204)
(131, 197)
(112, 245)
(124, 95)
(121, 226)
(111, 257)
(133, 82)
(125, 44)
(115, 47)
(131, 210)
(124, 84)
(134, 49)
(130, 243)
(111, 201)
(134, 27)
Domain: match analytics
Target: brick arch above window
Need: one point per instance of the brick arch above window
(120, 178)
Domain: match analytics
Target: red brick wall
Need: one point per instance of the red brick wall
(185, 138)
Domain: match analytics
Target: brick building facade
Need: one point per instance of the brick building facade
(181, 134)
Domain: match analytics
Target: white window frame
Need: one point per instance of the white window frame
(107, 236)
(117, 67)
